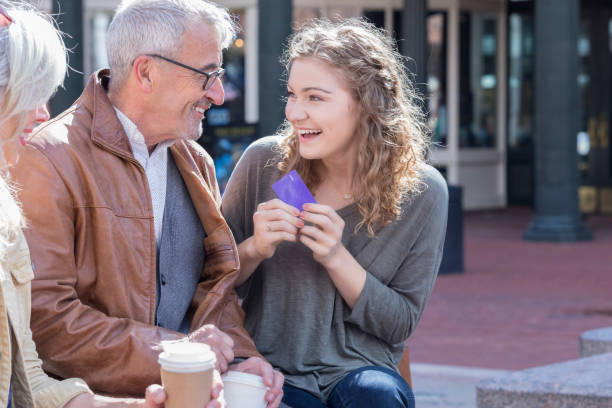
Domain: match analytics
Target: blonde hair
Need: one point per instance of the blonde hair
(32, 65)
(392, 133)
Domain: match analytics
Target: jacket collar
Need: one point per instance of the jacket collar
(207, 207)
(106, 129)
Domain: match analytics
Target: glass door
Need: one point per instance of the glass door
(520, 86)
(467, 98)
(595, 92)
(481, 133)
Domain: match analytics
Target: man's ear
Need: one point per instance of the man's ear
(143, 70)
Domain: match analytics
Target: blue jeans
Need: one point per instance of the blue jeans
(365, 387)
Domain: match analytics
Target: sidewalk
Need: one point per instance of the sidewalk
(439, 386)
(517, 305)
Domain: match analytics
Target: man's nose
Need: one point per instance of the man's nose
(216, 93)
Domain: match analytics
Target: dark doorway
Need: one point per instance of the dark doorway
(595, 92)
(521, 70)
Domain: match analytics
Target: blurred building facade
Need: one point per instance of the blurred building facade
(480, 88)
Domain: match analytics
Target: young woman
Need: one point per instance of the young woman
(332, 290)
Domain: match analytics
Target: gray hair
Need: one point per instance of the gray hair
(142, 27)
(32, 65)
(33, 62)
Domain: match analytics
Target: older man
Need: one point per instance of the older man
(126, 237)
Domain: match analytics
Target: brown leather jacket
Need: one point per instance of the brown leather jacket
(92, 240)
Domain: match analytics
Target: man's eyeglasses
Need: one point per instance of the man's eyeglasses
(5, 20)
(211, 77)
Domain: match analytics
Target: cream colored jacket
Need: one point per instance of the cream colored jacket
(31, 387)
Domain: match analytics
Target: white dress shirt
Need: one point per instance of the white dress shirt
(155, 166)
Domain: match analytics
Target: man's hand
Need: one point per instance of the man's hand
(219, 342)
(216, 395)
(272, 378)
(154, 396)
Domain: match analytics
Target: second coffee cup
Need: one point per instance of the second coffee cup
(243, 390)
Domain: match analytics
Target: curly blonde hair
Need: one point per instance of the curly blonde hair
(392, 132)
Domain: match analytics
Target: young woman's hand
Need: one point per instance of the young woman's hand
(272, 378)
(324, 237)
(275, 221)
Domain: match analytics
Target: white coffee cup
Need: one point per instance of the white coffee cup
(187, 374)
(244, 390)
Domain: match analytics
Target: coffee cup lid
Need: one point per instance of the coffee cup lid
(186, 357)
(244, 378)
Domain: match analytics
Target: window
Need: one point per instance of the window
(478, 80)
(520, 80)
(436, 77)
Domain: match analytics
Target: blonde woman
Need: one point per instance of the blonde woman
(32, 66)
(332, 290)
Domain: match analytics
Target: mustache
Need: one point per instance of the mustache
(205, 103)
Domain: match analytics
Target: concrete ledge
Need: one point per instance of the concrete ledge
(596, 341)
(442, 386)
(583, 383)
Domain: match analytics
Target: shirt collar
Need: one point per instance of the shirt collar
(137, 142)
(139, 147)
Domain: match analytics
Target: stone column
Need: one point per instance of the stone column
(274, 19)
(557, 216)
(413, 43)
(69, 16)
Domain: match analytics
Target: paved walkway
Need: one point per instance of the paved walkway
(440, 386)
(517, 305)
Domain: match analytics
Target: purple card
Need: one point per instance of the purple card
(292, 190)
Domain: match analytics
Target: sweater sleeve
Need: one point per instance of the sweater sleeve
(47, 392)
(249, 185)
(391, 310)
(233, 203)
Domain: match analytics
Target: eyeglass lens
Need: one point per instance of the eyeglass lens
(211, 78)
